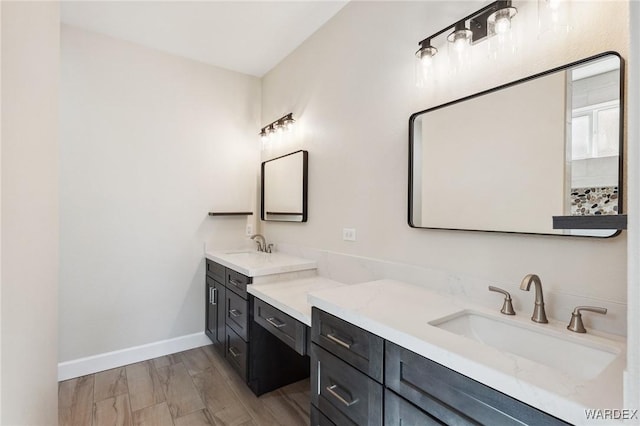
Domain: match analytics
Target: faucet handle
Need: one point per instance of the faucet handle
(576, 324)
(269, 248)
(507, 306)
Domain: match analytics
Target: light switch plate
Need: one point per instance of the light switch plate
(249, 230)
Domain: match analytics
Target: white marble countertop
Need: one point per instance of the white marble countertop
(401, 313)
(291, 296)
(255, 264)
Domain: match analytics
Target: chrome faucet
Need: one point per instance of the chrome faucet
(538, 311)
(262, 243)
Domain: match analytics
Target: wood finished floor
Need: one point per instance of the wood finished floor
(192, 388)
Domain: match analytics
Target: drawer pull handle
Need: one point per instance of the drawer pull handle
(213, 296)
(338, 340)
(234, 282)
(276, 322)
(234, 352)
(235, 313)
(332, 390)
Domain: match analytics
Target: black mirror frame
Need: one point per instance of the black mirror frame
(504, 86)
(305, 185)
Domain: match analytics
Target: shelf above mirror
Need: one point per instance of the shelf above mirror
(618, 221)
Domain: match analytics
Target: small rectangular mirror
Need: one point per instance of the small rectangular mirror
(511, 158)
(284, 188)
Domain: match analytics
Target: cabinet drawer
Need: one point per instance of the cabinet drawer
(289, 330)
(451, 397)
(399, 412)
(358, 347)
(316, 418)
(338, 387)
(236, 352)
(237, 282)
(237, 313)
(215, 270)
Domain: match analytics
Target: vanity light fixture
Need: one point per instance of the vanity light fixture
(493, 19)
(282, 124)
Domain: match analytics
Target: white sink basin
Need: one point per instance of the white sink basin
(539, 343)
(245, 252)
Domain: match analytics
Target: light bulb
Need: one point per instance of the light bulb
(424, 62)
(499, 22)
(459, 47)
(460, 37)
(503, 25)
(554, 16)
(288, 122)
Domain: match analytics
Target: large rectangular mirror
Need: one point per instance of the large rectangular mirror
(284, 188)
(511, 158)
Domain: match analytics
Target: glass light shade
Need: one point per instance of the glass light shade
(553, 16)
(424, 64)
(288, 122)
(459, 48)
(264, 136)
(460, 38)
(499, 22)
(501, 37)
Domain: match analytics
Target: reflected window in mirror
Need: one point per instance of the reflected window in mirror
(284, 182)
(511, 158)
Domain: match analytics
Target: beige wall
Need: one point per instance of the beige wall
(351, 88)
(30, 75)
(149, 144)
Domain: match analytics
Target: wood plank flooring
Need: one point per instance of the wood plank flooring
(192, 388)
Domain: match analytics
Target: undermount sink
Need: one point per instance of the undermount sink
(538, 343)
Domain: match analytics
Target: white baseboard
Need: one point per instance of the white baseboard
(93, 364)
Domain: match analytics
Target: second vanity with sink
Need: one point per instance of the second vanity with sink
(388, 352)
(462, 363)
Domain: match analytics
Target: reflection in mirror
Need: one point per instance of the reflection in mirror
(284, 188)
(511, 158)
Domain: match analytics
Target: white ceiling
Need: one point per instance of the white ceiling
(250, 37)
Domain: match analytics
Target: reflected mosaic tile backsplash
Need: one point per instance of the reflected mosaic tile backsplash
(594, 201)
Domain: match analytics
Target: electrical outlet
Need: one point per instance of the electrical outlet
(249, 230)
(349, 234)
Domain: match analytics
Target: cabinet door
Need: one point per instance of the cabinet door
(453, 398)
(211, 310)
(399, 412)
(220, 294)
(215, 313)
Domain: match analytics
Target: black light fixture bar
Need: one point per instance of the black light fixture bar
(283, 122)
(477, 22)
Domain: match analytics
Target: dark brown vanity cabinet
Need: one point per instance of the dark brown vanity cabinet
(358, 378)
(452, 398)
(346, 372)
(263, 361)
